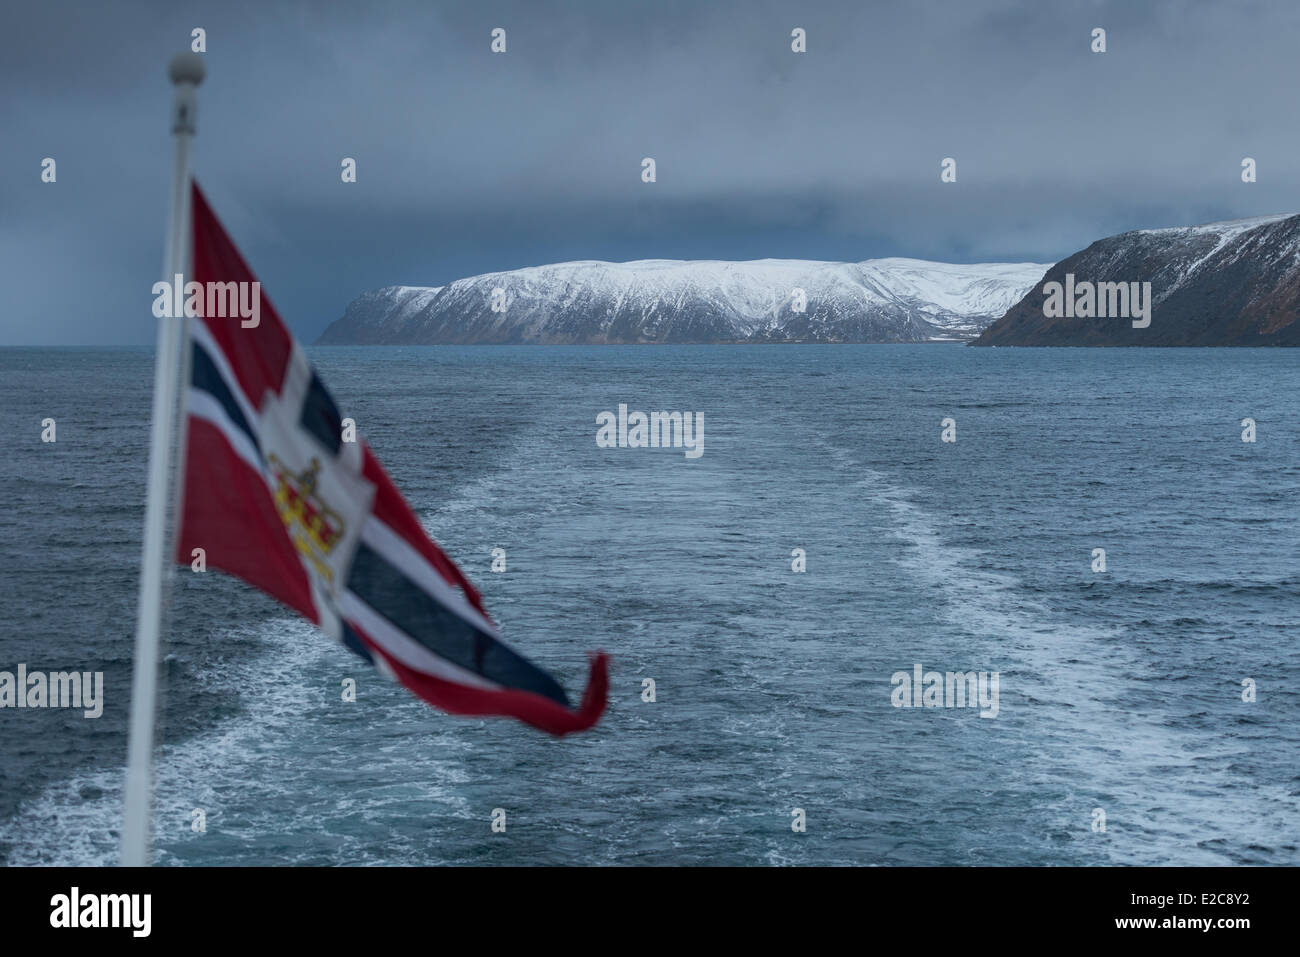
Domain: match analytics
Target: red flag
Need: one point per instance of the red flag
(276, 497)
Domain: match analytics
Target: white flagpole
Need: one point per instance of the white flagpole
(186, 72)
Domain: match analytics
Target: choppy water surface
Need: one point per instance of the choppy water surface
(1119, 691)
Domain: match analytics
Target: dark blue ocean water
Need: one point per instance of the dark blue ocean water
(1120, 691)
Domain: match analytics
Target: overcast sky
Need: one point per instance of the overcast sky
(470, 161)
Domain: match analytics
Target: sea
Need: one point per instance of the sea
(1147, 713)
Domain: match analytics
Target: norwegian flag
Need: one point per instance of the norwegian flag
(276, 497)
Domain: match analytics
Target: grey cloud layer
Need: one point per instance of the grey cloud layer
(470, 162)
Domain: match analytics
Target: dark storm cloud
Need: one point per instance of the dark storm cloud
(470, 161)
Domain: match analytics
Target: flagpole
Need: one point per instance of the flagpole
(186, 71)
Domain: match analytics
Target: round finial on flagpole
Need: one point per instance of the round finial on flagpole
(187, 68)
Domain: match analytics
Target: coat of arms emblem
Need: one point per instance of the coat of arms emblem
(313, 527)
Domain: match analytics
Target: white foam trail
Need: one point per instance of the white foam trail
(1068, 684)
(258, 774)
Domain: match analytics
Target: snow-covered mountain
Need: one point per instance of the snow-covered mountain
(1232, 283)
(666, 301)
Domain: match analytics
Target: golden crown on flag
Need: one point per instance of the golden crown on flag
(314, 527)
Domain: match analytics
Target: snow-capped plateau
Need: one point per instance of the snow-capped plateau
(670, 301)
